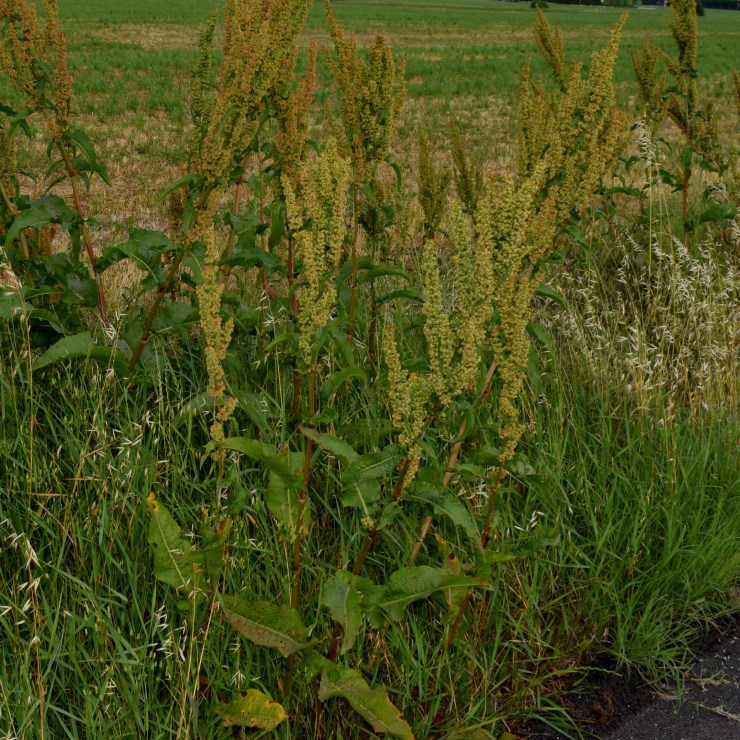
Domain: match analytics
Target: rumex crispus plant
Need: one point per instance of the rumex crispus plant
(353, 468)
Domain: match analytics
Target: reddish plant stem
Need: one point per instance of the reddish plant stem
(365, 551)
(302, 498)
(452, 461)
(162, 290)
(72, 174)
(295, 310)
(484, 541)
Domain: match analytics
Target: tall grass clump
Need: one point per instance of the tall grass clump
(313, 479)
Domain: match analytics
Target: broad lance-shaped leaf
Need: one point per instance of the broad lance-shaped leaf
(82, 346)
(176, 561)
(273, 462)
(282, 501)
(253, 709)
(372, 705)
(372, 465)
(411, 584)
(266, 624)
(336, 446)
(343, 596)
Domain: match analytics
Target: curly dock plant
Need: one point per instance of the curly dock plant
(33, 57)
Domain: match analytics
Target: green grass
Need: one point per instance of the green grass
(648, 520)
(460, 53)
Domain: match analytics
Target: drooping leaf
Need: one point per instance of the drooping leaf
(372, 705)
(411, 584)
(545, 291)
(333, 444)
(537, 539)
(330, 385)
(253, 709)
(46, 210)
(362, 494)
(372, 465)
(82, 346)
(263, 453)
(266, 624)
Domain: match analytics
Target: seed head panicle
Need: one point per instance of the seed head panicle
(292, 109)
(258, 44)
(372, 94)
(408, 395)
(550, 44)
(433, 182)
(650, 82)
(316, 218)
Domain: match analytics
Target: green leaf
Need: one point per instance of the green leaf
(253, 257)
(90, 161)
(12, 305)
(255, 408)
(412, 295)
(343, 599)
(538, 332)
(362, 494)
(83, 346)
(263, 453)
(372, 705)
(253, 709)
(537, 539)
(176, 561)
(337, 446)
(265, 624)
(283, 502)
(545, 291)
(372, 465)
(411, 584)
(47, 210)
(330, 385)
(144, 248)
(381, 271)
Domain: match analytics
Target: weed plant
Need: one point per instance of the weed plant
(315, 479)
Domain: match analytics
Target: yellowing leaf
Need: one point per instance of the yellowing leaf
(372, 705)
(254, 709)
(176, 561)
(266, 624)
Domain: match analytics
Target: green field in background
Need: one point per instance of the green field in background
(137, 55)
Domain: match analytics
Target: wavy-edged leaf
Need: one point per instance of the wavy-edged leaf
(263, 453)
(343, 596)
(411, 584)
(545, 291)
(345, 452)
(80, 346)
(46, 210)
(266, 624)
(176, 561)
(372, 705)
(253, 709)
(362, 494)
(12, 305)
(372, 465)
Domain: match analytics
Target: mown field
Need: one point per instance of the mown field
(440, 542)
